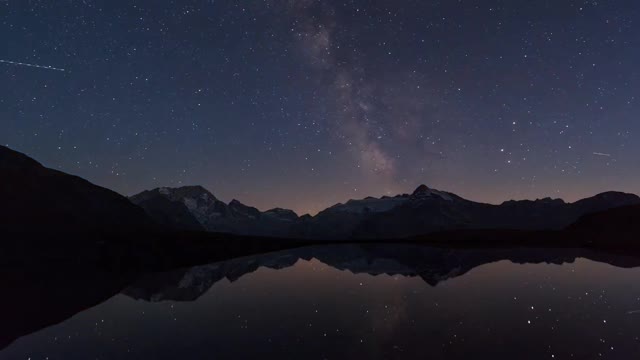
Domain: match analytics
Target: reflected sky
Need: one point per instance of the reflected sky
(500, 310)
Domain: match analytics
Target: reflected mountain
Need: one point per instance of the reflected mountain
(433, 265)
(191, 283)
(40, 297)
(51, 281)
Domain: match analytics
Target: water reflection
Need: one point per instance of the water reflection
(350, 301)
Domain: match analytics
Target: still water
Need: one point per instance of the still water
(344, 302)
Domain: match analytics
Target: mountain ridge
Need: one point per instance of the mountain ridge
(39, 199)
(424, 211)
(213, 215)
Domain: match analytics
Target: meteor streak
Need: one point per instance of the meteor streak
(601, 154)
(31, 65)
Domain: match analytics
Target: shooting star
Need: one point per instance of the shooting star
(31, 65)
(601, 154)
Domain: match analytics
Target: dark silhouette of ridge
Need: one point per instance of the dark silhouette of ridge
(38, 199)
(35, 198)
(433, 265)
(620, 224)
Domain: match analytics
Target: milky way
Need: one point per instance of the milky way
(303, 104)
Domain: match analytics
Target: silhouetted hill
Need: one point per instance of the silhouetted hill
(618, 225)
(35, 198)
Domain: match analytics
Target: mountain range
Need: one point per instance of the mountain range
(36, 198)
(423, 212)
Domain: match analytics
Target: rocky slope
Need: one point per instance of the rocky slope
(209, 213)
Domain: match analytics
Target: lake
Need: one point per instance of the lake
(336, 302)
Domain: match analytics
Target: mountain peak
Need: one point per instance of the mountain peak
(425, 192)
(184, 192)
(611, 199)
(616, 194)
(422, 189)
(236, 203)
(239, 209)
(280, 213)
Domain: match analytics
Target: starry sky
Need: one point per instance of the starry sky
(306, 103)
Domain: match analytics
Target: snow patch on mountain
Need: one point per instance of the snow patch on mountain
(369, 205)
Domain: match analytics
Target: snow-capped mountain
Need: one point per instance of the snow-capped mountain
(368, 205)
(357, 218)
(200, 203)
(206, 212)
(427, 211)
(424, 211)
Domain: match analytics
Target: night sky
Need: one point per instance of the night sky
(303, 104)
